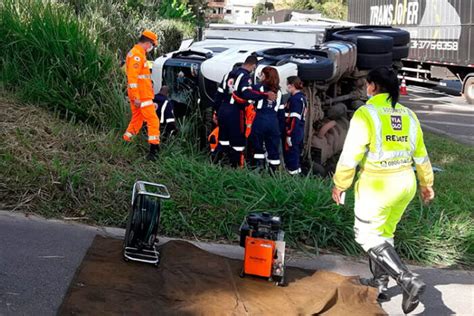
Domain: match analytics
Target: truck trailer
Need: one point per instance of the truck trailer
(442, 37)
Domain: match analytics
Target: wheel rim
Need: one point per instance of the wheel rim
(470, 90)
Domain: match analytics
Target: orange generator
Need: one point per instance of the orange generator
(262, 238)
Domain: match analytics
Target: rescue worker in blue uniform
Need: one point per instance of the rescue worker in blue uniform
(165, 112)
(294, 128)
(233, 95)
(265, 135)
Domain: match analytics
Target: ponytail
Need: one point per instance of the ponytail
(386, 81)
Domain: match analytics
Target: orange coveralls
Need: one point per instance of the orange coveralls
(140, 88)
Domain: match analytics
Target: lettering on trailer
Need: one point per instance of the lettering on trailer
(400, 13)
(433, 24)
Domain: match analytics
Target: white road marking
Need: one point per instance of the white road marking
(446, 113)
(447, 123)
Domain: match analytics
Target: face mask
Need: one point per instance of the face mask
(149, 49)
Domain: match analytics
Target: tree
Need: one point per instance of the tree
(177, 10)
(261, 9)
(334, 9)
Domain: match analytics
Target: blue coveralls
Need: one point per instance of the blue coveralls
(265, 135)
(165, 113)
(295, 112)
(233, 96)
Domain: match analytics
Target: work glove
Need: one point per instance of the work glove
(288, 141)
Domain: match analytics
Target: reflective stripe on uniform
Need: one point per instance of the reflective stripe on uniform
(220, 90)
(421, 160)
(236, 87)
(237, 82)
(413, 131)
(133, 85)
(246, 88)
(377, 127)
(146, 103)
(153, 137)
(259, 156)
(238, 148)
(163, 108)
(224, 84)
(170, 120)
(386, 155)
(294, 114)
(128, 134)
(274, 161)
(278, 100)
(292, 172)
(260, 103)
(144, 76)
(224, 142)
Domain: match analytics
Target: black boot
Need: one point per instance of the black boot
(154, 150)
(412, 287)
(379, 281)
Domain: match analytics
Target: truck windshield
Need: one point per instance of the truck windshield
(181, 76)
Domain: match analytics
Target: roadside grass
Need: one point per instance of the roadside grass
(57, 169)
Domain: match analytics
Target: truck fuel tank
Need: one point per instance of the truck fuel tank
(344, 56)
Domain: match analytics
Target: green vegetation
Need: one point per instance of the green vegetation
(261, 9)
(63, 57)
(334, 9)
(58, 169)
(174, 9)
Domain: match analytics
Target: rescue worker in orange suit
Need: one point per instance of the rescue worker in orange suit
(265, 134)
(165, 112)
(140, 93)
(294, 127)
(385, 140)
(233, 95)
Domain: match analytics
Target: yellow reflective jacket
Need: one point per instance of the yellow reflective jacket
(383, 139)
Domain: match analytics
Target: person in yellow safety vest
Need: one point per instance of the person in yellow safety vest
(384, 140)
(141, 94)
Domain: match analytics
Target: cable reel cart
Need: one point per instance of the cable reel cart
(143, 222)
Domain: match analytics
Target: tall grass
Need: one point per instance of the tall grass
(48, 57)
(58, 169)
(65, 58)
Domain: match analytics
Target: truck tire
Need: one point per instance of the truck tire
(314, 68)
(312, 65)
(469, 90)
(371, 61)
(367, 41)
(279, 54)
(400, 52)
(400, 37)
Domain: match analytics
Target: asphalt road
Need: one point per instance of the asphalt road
(441, 113)
(38, 259)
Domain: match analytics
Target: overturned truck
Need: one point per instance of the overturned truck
(333, 61)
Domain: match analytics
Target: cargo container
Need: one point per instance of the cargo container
(442, 36)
